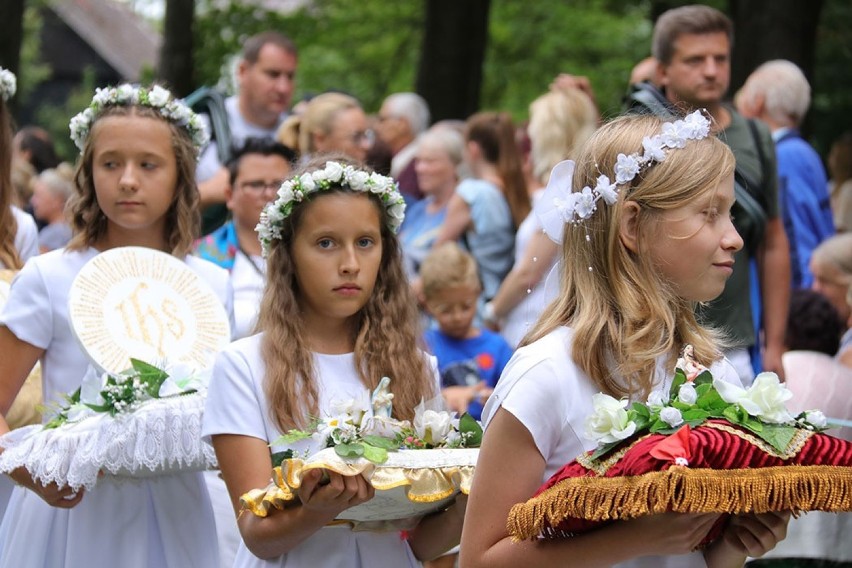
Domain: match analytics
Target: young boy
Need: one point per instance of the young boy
(470, 359)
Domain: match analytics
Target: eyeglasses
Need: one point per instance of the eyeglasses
(364, 136)
(258, 186)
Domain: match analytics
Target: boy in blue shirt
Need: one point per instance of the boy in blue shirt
(470, 358)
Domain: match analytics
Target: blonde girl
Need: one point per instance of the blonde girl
(135, 186)
(331, 122)
(337, 315)
(650, 240)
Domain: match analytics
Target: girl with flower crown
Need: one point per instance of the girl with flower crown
(646, 233)
(135, 186)
(337, 315)
(18, 232)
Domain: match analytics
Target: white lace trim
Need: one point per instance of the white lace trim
(162, 436)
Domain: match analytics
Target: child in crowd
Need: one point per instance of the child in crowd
(18, 231)
(646, 229)
(135, 186)
(337, 315)
(470, 358)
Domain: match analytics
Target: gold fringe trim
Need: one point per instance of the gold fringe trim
(684, 490)
(425, 485)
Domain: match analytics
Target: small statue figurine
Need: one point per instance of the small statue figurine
(382, 399)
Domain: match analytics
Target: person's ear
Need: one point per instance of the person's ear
(229, 196)
(660, 77)
(628, 230)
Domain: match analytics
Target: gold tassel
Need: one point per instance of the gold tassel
(684, 490)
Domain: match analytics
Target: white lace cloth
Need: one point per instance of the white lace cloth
(161, 436)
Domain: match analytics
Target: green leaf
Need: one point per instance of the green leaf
(144, 368)
(379, 442)
(374, 454)
(641, 410)
(604, 450)
(349, 450)
(732, 414)
(279, 457)
(778, 436)
(711, 400)
(469, 425)
(703, 378)
(679, 379)
(695, 414)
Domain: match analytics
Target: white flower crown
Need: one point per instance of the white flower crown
(560, 204)
(334, 175)
(8, 84)
(126, 94)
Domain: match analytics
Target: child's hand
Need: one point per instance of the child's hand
(672, 533)
(756, 534)
(458, 398)
(338, 494)
(61, 497)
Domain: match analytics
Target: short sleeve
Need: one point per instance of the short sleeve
(233, 405)
(27, 312)
(26, 239)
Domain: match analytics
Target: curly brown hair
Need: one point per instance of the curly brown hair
(386, 337)
(182, 219)
(9, 256)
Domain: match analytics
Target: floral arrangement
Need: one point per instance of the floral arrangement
(576, 206)
(334, 175)
(363, 427)
(115, 394)
(156, 97)
(696, 396)
(8, 84)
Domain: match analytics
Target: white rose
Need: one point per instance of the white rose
(307, 182)
(766, 399)
(816, 418)
(357, 180)
(657, 398)
(397, 212)
(158, 96)
(671, 416)
(432, 426)
(126, 93)
(333, 172)
(687, 394)
(103, 96)
(609, 421)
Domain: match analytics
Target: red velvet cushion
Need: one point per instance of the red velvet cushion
(729, 471)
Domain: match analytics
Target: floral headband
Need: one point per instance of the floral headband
(334, 175)
(126, 94)
(560, 204)
(8, 84)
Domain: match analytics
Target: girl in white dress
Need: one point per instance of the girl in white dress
(135, 186)
(337, 315)
(18, 231)
(647, 233)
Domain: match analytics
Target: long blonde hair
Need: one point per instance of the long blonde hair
(560, 123)
(9, 256)
(386, 336)
(624, 314)
(182, 218)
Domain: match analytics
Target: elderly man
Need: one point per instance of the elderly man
(778, 93)
(402, 119)
(266, 78)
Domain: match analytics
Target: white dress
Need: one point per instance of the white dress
(156, 522)
(526, 313)
(248, 278)
(237, 405)
(545, 390)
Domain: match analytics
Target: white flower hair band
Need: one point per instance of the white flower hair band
(156, 97)
(8, 84)
(334, 175)
(560, 205)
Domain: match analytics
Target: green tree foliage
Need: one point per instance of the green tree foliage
(376, 53)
